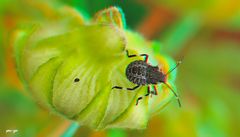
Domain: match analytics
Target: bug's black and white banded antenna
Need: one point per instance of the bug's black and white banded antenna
(175, 94)
(178, 63)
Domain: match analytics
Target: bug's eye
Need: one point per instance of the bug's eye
(76, 80)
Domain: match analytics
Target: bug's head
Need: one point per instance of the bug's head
(162, 77)
(155, 76)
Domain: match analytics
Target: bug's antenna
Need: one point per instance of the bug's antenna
(178, 63)
(175, 94)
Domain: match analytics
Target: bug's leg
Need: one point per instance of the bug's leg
(117, 87)
(133, 88)
(155, 92)
(145, 55)
(148, 91)
(175, 94)
(130, 56)
(138, 100)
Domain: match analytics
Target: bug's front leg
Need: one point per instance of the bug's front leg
(144, 55)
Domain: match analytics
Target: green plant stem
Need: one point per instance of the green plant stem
(71, 130)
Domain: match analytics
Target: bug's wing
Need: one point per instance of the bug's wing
(112, 15)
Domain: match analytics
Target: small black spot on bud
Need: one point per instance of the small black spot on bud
(76, 80)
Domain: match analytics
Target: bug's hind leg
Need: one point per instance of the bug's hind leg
(144, 55)
(117, 87)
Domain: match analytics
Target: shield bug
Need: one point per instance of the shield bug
(141, 73)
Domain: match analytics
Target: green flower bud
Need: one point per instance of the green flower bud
(70, 68)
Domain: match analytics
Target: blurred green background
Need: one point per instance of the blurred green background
(205, 32)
